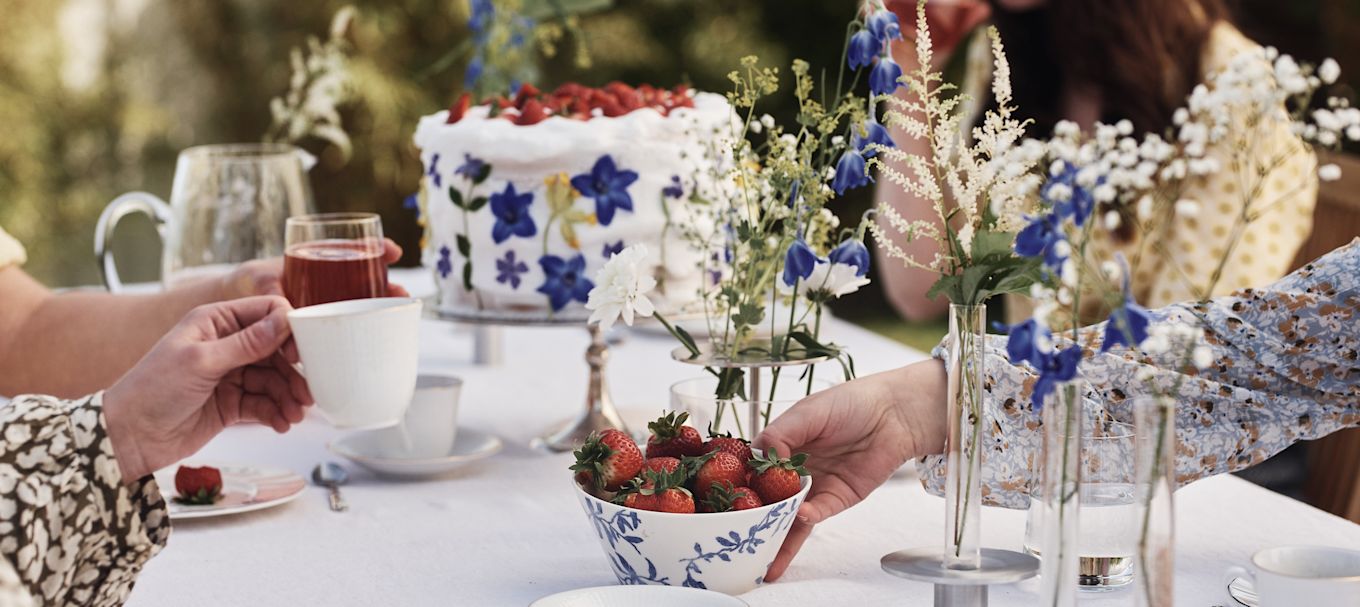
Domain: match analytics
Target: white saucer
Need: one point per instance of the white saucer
(631, 596)
(373, 449)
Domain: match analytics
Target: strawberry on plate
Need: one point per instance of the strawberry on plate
(776, 479)
(199, 486)
(719, 468)
(671, 437)
(607, 460)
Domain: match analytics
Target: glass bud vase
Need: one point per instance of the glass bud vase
(1059, 494)
(963, 447)
(1154, 422)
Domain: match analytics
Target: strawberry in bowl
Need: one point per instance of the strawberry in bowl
(710, 520)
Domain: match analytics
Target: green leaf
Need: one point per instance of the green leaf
(730, 383)
(749, 314)
(686, 340)
(456, 197)
(476, 204)
(988, 243)
(467, 276)
(464, 246)
(483, 173)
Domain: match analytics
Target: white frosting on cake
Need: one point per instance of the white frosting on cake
(659, 149)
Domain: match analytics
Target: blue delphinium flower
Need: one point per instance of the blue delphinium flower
(675, 190)
(564, 280)
(884, 26)
(1029, 342)
(471, 167)
(1078, 204)
(433, 171)
(512, 214)
(473, 73)
(1057, 368)
(444, 266)
(851, 252)
(799, 262)
(412, 203)
(1128, 324)
(862, 50)
(1042, 237)
(850, 172)
(874, 133)
(883, 79)
(482, 13)
(608, 186)
(508, 270)
(611, 250)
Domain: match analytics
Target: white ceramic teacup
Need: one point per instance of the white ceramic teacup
(360, 358)
(1316, 576)
(431, 423)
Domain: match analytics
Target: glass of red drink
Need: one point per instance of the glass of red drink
(333, 257)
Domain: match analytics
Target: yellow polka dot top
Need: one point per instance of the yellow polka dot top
(11, 252)
(1177, 261)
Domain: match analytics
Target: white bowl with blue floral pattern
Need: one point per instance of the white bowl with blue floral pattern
(727, 552)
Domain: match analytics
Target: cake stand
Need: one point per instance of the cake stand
(599, 413)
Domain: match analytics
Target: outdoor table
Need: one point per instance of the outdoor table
(509, 529)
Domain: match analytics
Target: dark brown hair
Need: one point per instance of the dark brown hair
(1142, 56)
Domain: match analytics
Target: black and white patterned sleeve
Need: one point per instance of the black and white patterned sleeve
(71, 531)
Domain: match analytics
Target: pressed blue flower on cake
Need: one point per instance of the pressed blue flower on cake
(611, 250)
(799, 262)
(675, 189)
(433, 171)
(883, 79)
(508, 270)
(444, 266)
(412, 204)
(471, 167)
(512, 214)
(564, 280)
(851, 252)
(850, 172)
(608, 186)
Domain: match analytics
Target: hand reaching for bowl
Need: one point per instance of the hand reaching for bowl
(265, 276)
(223, 364)
(856, 435)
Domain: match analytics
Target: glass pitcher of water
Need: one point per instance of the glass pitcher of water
(228, 205)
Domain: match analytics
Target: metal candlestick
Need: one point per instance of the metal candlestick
(599, 413)
(753, 361)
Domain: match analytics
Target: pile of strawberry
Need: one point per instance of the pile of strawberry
(682, 472)
(571, 100)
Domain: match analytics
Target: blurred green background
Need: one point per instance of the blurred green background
(98, 96)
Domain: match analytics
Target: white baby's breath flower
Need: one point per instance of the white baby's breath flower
(767, 120)
(1145, 207)
(1104, 193)
(1111, 270)
(837, 140)
(621, 288)
(1065, 296)
(1186, 207)
(1112, 221)
(1202, 357)
(1124, 127)
(1329, 172)
(756, 127)
(1329, 71)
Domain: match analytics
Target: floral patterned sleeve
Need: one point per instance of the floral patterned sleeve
(1286, 367)
(71, 532)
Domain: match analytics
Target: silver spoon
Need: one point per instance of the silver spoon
(330, 475)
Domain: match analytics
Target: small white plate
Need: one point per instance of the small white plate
(371, 449)
(632, 596)
(244, 489)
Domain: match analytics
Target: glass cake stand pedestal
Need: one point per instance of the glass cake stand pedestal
(599, 412)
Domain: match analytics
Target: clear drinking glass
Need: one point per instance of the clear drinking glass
(695, 396)
(1107, 528)
(333, 257)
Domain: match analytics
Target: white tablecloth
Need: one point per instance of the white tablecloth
(509, 530)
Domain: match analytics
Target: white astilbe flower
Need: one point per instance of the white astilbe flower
(1329, 172)
(621, 288)
(320, 83)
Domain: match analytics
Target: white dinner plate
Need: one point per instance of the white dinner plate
(634, 596)
(372, 449)
(245, 488)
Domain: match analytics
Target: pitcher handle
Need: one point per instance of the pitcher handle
(132, 202)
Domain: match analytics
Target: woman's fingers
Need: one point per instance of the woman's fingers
(391, 251)
(792, 543)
